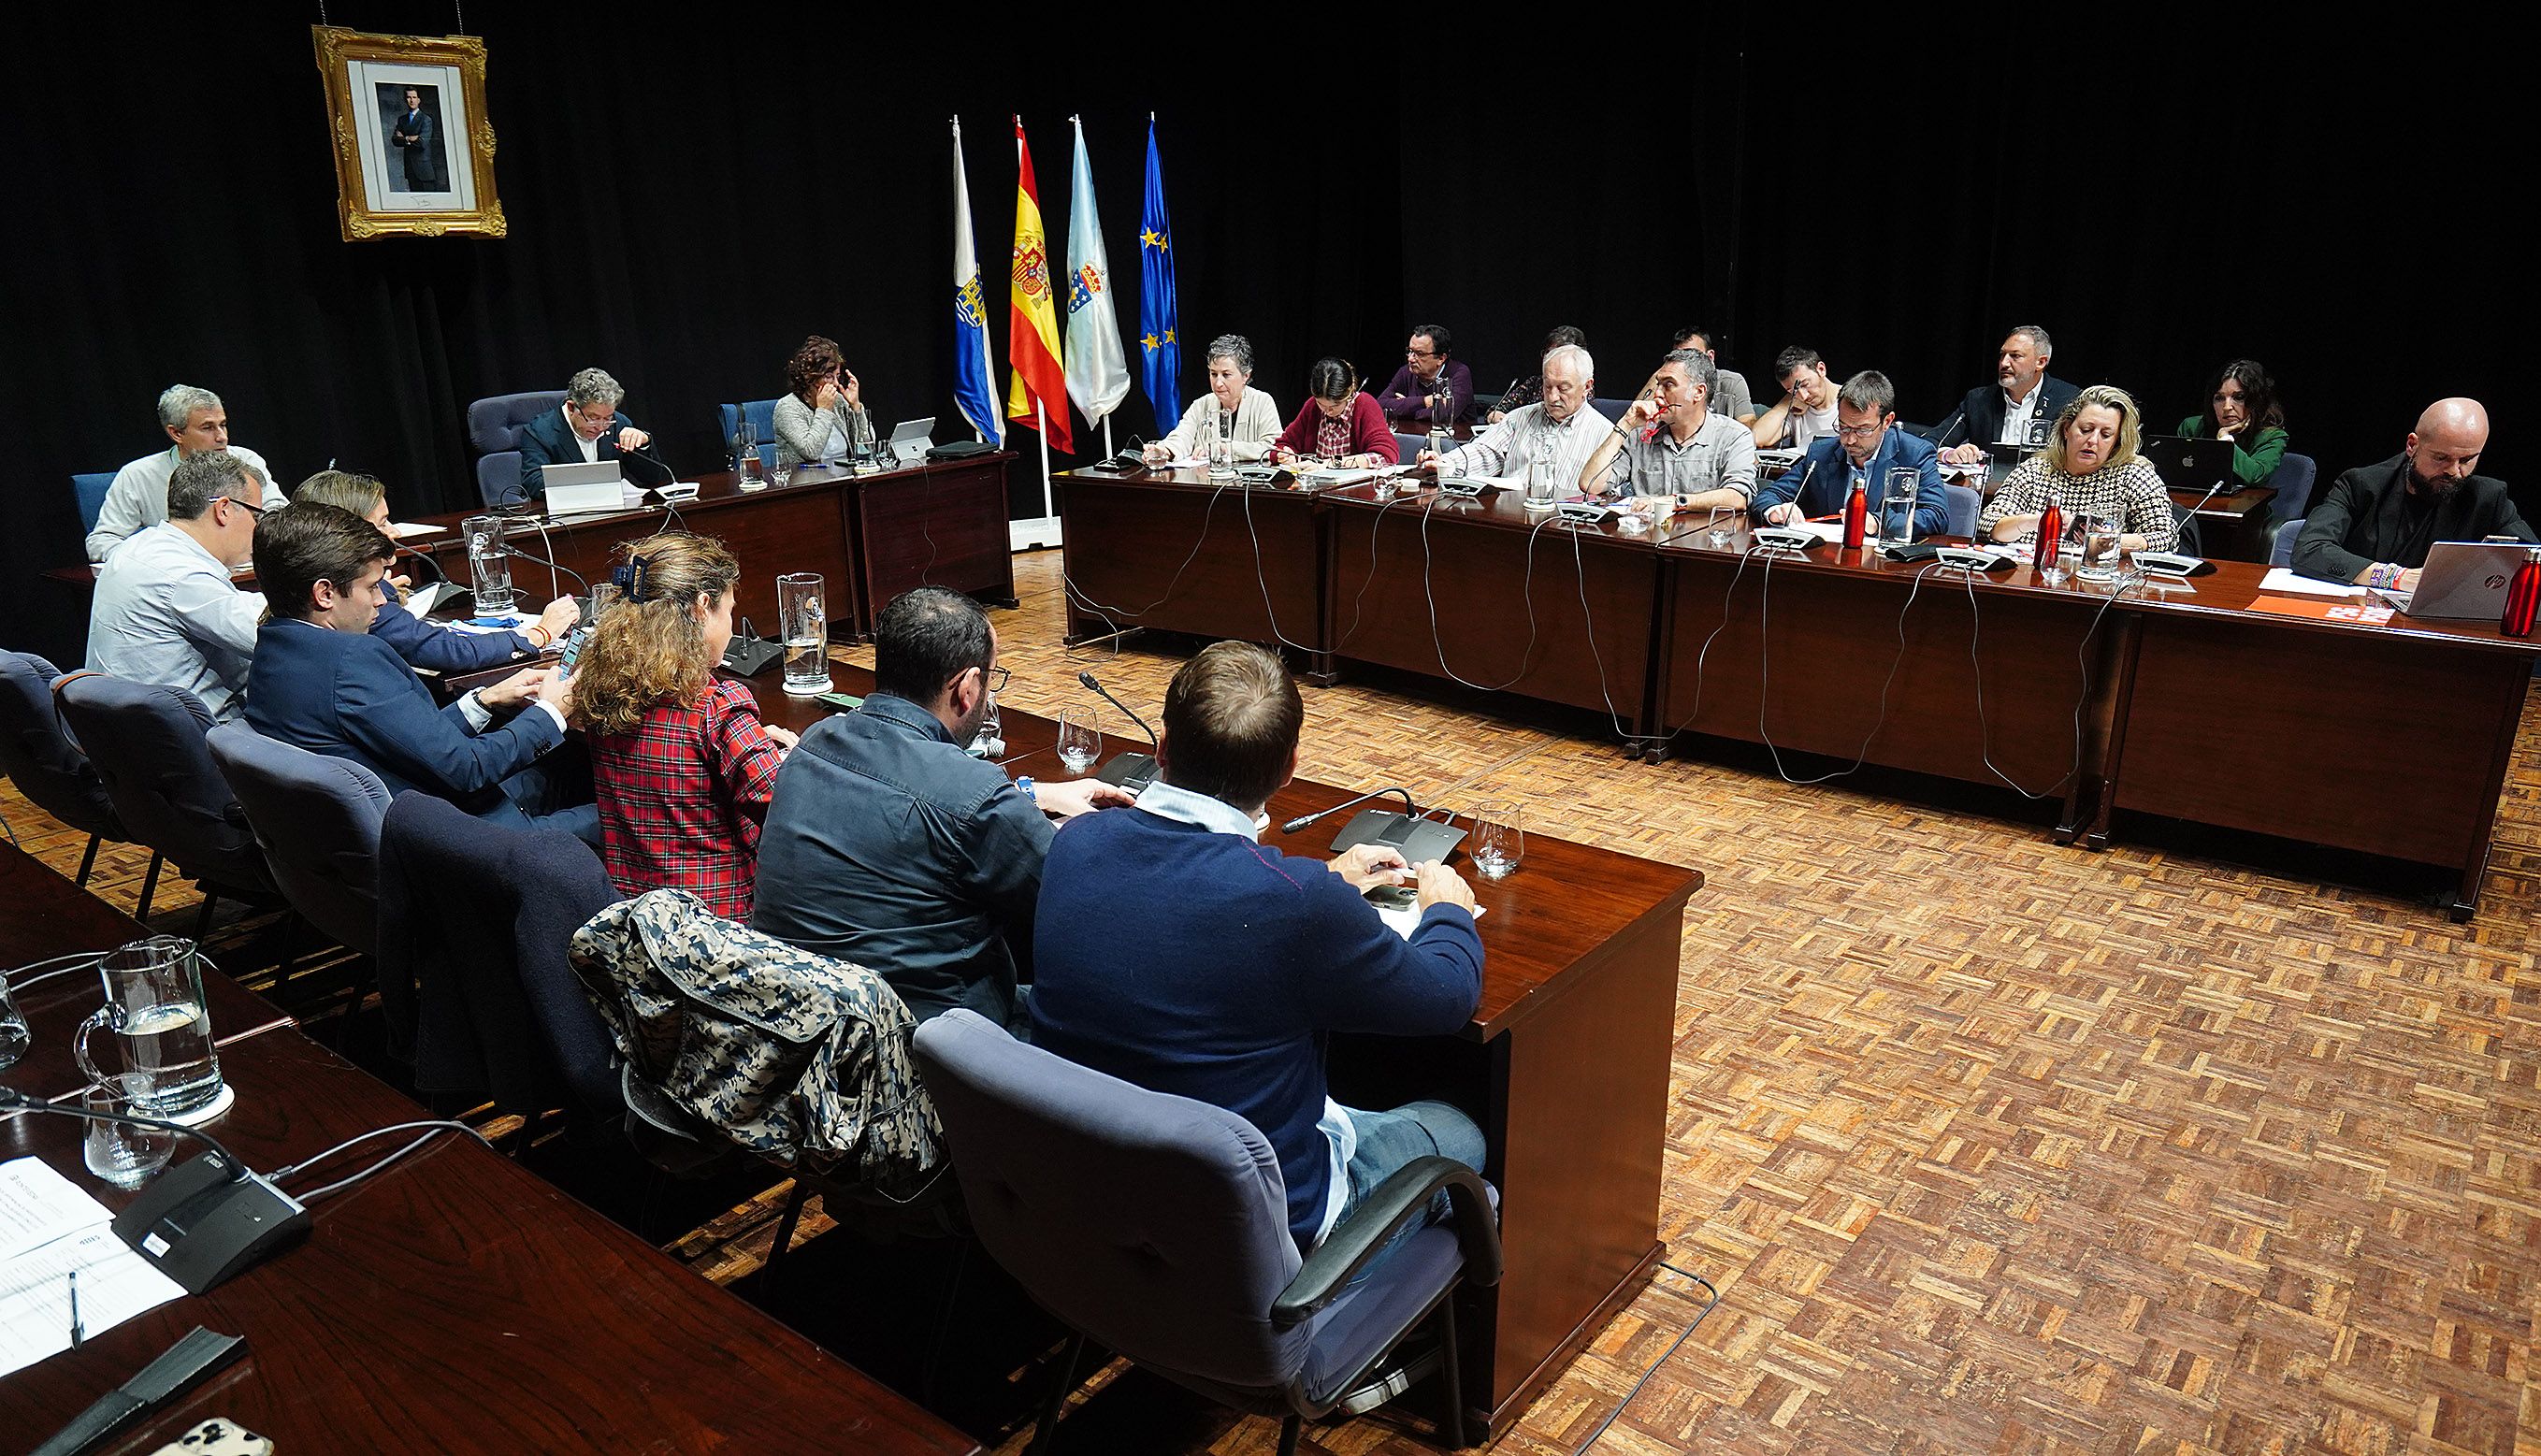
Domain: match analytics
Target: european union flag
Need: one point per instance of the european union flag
(1160, 357)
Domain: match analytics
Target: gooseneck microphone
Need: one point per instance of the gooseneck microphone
(1097, 689)
(1132, 771)
(1958, 416)
(198, 1222)
(1303, 820)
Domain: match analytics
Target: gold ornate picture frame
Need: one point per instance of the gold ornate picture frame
(406, 122)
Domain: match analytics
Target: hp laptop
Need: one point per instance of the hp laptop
(2462, 580)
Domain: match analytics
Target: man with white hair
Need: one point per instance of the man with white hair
(1562, 427)
(588, 429)
(2378, 522)
(195, 424)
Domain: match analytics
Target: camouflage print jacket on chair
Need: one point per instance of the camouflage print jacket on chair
(790, 1054)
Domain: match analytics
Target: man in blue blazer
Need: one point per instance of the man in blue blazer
(587, 430)
(2023, 393)
(435, 647)
(1865, 445)
(322, 681)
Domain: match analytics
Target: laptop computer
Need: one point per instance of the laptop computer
(580, 490)
(910, 441)
(2186, 463)
(2463, 581)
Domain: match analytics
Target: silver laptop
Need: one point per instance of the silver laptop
(912, 440)
(580, 489)
(2461, 580)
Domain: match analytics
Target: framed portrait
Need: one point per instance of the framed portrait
(414, 153)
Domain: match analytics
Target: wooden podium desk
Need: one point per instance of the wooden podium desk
(451, 1302)
(1564, 1063)
(1177, 551)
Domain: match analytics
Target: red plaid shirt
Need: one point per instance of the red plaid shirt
(683, 796)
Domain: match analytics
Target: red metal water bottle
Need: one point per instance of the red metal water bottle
(2051, 537)
(1857, 515)
(2522, 598)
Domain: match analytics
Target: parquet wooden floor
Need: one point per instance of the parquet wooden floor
(1993, 1145)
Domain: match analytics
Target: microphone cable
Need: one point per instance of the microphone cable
(2082, 660)
(1633, 742)
(1111, 615)
(1358, 604)
(1261, 577)
(432, 1127)
(1429, 590)
(1765, 676)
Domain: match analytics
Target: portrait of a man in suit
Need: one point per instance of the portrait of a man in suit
(414, 139)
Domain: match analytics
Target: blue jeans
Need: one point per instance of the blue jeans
(1389, 1141)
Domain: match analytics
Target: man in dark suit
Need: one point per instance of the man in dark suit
(587, 430)
(1865, 445)
(420, 137)
(323, 682)
(2017, 408)
(2378, 522)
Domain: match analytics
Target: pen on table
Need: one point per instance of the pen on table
(78, 1334)
(1823, 520)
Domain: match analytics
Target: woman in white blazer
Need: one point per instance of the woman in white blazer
(1243, 415)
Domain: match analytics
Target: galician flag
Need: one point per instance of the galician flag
(1032, 323)
(1098, 378)
(974, 390)
(1161, 358)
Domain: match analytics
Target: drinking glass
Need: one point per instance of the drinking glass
(123, 1155)
(1221, 457)
(159, 1033)
(1499, 839)
(489, 563)
(782, 475)
(748, 476)
(1718, 530)
(1080, 743)
(13, 1035)
(1897, 510)
(2100, 537)
(805, 627)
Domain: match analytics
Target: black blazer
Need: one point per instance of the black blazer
(1980, 414)
(422, 152)
(2359, 523)
(548, 440)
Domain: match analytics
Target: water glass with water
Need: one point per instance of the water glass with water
(490, 561)
(782, 475)
(2100, 541)
(805, 627)
(748, 476)
(122, 1154)
(14, 1036)
(1720, 529)
(1897, 509)
(1499, 839)
(160, 1036)
(1080, 743)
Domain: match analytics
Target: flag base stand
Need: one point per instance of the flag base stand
(1034, 534)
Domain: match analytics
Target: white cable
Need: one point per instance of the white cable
(1526, 660)
(2081, 659)
(1764, 676)
(1633, 741)
(86, 961)
(1262, 578)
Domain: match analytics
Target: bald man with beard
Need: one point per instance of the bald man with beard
(2378, 520)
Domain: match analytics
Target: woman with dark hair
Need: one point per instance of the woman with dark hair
(2241, 407)
(681, 764)
(822, 415)
(1530, 389)
(1341, 424)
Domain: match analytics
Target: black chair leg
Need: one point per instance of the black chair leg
(1451, 1366)
(203, 920)
(784, 1236)
(1289, 1430)
(149, 886)
(1048, 1429)
(88, 861)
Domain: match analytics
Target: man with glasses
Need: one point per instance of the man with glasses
(1430, 385)
(890, 845)
(1673, 451)
(587, 430)
(1865, 445)
(195, 424)
(165, 610)
(1561, 428)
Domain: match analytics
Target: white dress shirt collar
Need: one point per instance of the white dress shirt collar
(590, 448)
(1215, 815)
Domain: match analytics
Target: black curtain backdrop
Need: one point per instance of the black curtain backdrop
(688, 198)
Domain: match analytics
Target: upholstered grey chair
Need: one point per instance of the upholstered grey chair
(317, 819)
(49, 769)
(494, 432)
(1965, 502)
(2292, 479)
(2282, 554)
(147, 744)
(1195, 1277)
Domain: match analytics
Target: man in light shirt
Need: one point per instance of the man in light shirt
(1806, 409)
(1563, 426)
(195, 423)
(1672, 451)
(166, 610)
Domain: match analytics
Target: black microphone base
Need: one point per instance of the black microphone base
(748, 657)
(202, 1221)
(1418, 840)
(1132, 771)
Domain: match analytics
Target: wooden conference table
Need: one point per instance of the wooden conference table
(2206, 704)
(1564, 1063)
(452, 1302)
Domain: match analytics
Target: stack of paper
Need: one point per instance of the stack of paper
(48, 1228)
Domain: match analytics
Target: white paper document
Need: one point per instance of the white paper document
(2283, 579)
(50, 1228)
(404, 528)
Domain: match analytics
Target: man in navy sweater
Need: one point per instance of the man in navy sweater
(1172, 950)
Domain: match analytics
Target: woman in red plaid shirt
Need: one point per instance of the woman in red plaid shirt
(684, 768)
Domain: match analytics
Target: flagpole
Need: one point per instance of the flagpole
(1106, 434)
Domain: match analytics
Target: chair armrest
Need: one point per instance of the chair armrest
(1396, 1202)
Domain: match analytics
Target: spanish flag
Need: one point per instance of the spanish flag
(1030, 319)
